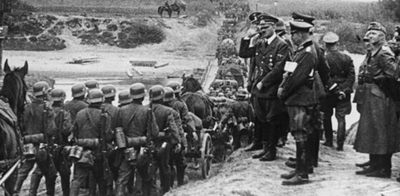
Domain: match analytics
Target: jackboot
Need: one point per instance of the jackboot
(35, 182)
(271, 153)
(263, 152)
(373, 165)
(301, 176)
(328, 130)
(341, 134)
(254, 146)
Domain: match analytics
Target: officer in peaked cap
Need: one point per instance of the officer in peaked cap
(253, 17)
(269, 53)
(124, 98)
(92, 84)
(86, 127)
(300, 99)
(343, 75)
(136, 121)
(167, 127)
(323, 70)
(377, 26)
(303, 18)
(78, 102)
(280, 30)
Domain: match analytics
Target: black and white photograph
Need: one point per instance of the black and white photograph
(200, 98)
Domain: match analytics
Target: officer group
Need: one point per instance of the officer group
(294, 85)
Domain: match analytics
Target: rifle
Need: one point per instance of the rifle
(49, 166)
(103, 143)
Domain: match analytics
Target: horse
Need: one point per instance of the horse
(12, 100)
(175, 7)
(197, 103)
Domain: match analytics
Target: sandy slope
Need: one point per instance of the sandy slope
(244, 176)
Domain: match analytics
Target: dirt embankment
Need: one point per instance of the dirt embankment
(243, 176)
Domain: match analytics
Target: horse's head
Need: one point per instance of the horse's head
(14, 87)
(190, 84)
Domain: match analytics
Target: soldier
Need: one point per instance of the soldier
(124, 98)
(78, 102)
(169, 134)
(137, 122)
(109, 92)
(177, 157)
(243, 112)
(341, 73)
(63, 123)
(38, 130)
(270, 53)
(92, 84)
(300, 97)
(92, 130)
(323, 71)
(377, 134)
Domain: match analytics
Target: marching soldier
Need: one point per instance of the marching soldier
(270, 53)
(78, 102)
(92, 84)
(342, 74)
(138, 123)
(243, 114)
(177, 157)
(300, 97)
(378, 133)
(63, 123)
(38, 130)
(109, 92)
(124, 98)
(92, 132)
(168, 136)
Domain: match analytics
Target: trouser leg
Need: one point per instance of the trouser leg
(341, 134)
(180, 167)
(101, 181)
(163, 157)
(23, 173)
(35, 181)
(124, 173)
(328, 129)
(236, 137)
(80, 180)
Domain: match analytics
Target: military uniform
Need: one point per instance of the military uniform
(136, 121)
(167, 126)
(91, 167)
(269, 56)
(300, 97)
(38, 119)
(378, 133)
(342, 74)
(77, 103)
(177, 157)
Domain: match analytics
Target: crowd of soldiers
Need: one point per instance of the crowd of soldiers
(296, 85)
(112, 148)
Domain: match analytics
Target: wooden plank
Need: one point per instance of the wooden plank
(143, 63)
(161, 65)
